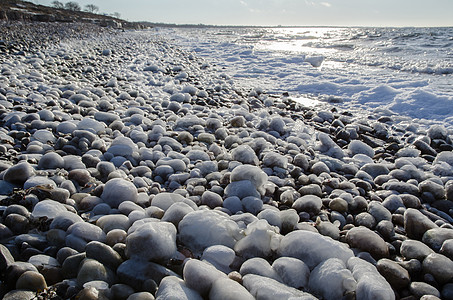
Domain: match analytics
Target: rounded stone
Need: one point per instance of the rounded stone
(338, 204)
(91, 270)
(211, 199)
(18, 173)
(412, 249)
(416, 223)
(419, 289)
(51, 160)
(367, 240)
(31, 281)
(440, 266)
(118, 190)
(308, 203)
(395, 274)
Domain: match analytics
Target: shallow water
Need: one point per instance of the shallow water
(408, 71)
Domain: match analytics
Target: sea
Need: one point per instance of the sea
(404, 72)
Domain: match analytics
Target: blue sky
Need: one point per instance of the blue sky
(281, 12)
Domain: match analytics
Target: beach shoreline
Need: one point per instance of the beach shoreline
(133, 168)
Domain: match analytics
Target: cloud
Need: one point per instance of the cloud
(243, 3)
(326, 4)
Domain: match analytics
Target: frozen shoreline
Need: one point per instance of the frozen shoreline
(408, 73)
(133, 167)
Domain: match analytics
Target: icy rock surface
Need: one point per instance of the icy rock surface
(312, 248)
(154, 241)
(201, 229)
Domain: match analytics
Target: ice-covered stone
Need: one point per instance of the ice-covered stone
(176, 212)
(241, 189)
(122, 146)
(332, 280)
(312, 248)
(172, 287)
(259, 266)
(165, 200)
(272, 159)
(227, 289)
(113, 221)
(39, 181)
(201, 229)
(220, 257)
(251, 173)
(260, 240)
(200, 276)
(90, 125)
(155, 241)
(44, 136)
(370, 284)
(359, 147)
(292, 271)
(245, 155)
(264, 288)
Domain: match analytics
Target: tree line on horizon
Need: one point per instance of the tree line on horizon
(74, 6)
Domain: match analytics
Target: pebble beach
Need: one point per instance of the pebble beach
(134, 169)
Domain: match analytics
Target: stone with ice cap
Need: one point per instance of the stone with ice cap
(201, 229)
(313, 248)
(153, 241)
(252, 173)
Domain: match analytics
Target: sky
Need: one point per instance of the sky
(280, 12)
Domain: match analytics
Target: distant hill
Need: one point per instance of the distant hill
(16, 10)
